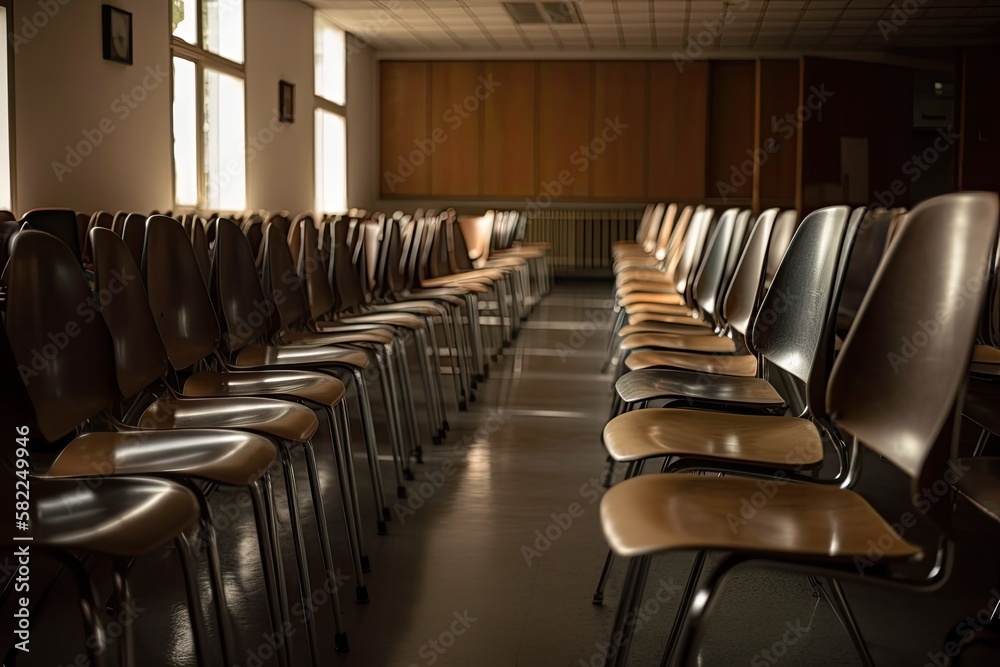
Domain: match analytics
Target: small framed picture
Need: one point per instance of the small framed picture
(117, 27)
(286, 102)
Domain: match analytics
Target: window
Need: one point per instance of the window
(331, 117)
(209, 126)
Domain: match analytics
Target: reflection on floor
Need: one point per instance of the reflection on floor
(493, 558)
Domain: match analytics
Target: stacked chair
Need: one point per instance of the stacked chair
(224, 349)
(818, 316)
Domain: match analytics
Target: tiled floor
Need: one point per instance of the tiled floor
(493, 560)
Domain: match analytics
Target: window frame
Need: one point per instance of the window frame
(202, 58)
(327, 105)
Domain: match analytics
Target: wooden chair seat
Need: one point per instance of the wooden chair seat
(645, 275)
(371, 336)
(406, 320)
(743, 365)
(224, 457)
(654, 513)
(980, 483)
(985, 360)
(662, 298)
(280, 419)
(259, 357)
(650, 384)
(691, 328)
(306, 385)
(779, 442)
(651, 286)
(652, 308)
(710, 344)
(124, 516)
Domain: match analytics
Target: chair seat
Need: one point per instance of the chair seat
(679, 316)
(980, 483)
(259, 357)
(511, 261)
(711, 344)
(633, 310)
(310, 386)
(125, 516)
(655, 513)
(416, 307)
(663, 298)
(374, 336)
(644, 274)
(985, 361)
(647, 287)
(741, 365)
(483, 276)
(281, 419)
(781, 442)
(982, 404)
(654, 383)
(221, 456)
(405, 320)
(695, 328)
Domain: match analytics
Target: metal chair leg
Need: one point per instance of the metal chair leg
(634, 468)
(437, 386)
(838, 601)
(682, 607)
(368, 431)
(434, 421)
(409, 410)
(628, 607)
(299, 543)
(332, 586)
(89, 611)
(122, 605)
(215, 577)
(348, 496)
(190, 572)
(274, 574)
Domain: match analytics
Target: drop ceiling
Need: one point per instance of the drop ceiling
(671, 25)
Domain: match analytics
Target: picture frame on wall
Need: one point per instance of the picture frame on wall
(286, 102)
(117, 34)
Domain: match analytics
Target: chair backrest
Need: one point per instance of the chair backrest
(134, 235)
(371, 246)
(281, 282)
(314, 272)
(793, 327)
(898, 382)
(60, 223)
(869, 248)
(344, 279)
(245, 313)
(195, 227)
(253, 229)
(140, 357)
(653, 218)
(710, 273)
(459, 259)
(694, 243)
(82, 227)
(177, 293)
(118, 223)
(7, 216)
(63, 349)
(746, 289)
(784, 229)
(8, 228)
(665, 232)
(477, 231)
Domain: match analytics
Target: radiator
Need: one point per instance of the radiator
(581, 239)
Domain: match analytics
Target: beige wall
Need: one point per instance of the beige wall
(280, 155)
(65, 93)
(69, 101)
(362, 125)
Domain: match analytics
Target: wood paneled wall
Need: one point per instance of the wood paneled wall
(603, 131)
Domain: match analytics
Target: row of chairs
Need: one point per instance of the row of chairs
(163, 358)
(779, 352)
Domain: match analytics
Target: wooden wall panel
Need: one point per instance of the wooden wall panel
(403, 166)
(564, 127)
(509, 130)
(617, 149)
(777, 132)
(731, 130)
(980, 122)
(457, 95)
(678, 131)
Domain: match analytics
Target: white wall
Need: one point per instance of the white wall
(279, 47)
(362, 125)
(65, 93)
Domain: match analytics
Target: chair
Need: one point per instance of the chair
(906, 412)
(81, 387)
(59, 222)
